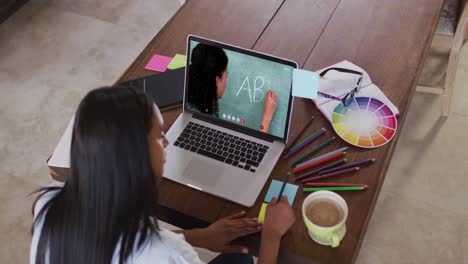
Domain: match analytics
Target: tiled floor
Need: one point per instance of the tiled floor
(53, 51)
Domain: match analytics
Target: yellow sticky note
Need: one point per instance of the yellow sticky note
(261, 215)
(178, 61)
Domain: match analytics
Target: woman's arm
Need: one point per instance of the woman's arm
(269, 109)
(218, 236)
(279, 218)
(269, 249)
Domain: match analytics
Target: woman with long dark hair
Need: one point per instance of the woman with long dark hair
(106, 211)
(208, 78)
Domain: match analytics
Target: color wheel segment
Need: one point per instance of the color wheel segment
(365, 122)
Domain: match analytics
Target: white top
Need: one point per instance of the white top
(169, 247)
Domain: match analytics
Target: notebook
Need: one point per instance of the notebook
(339, 84)
(166, 89)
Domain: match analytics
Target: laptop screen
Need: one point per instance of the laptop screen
(243, 87)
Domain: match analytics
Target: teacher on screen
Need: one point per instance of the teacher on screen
(208, 77)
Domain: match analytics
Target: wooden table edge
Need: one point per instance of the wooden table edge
(391, 151)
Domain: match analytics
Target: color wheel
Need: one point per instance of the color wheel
(365, 122)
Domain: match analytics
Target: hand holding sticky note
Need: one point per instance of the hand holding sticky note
(305, 84)
(290, 191)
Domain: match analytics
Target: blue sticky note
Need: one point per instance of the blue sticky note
(275, 187)
(305, 84)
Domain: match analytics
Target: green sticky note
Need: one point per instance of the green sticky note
(275, 187)
(178, 61)
(261, 215)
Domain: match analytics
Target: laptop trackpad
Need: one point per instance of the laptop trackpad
(202, 173)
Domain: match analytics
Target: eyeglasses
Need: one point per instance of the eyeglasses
(348, 98)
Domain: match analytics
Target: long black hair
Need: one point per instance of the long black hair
(207, 63)
(110, 195)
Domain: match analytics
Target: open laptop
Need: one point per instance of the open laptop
(222, 142)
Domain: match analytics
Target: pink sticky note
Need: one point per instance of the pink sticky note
(158, 63)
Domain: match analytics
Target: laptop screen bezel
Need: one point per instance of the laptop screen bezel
(227, 124)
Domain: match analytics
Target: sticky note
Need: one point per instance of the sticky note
(158, 63)
(261, 215)
(275, 187)
(305, 84)
(178, 61)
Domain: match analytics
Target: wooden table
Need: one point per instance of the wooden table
(388, 38)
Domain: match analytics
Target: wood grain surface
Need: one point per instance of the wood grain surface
(388, 38)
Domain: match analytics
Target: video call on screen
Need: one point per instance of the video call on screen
(232, 86)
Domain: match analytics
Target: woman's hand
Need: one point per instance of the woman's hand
(269, 109)
(269, 106)
(218, 236)
(279, 218)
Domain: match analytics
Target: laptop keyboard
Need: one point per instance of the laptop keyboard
(221, 146)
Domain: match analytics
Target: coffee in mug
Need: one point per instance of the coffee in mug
(324, 215)
(324, 212)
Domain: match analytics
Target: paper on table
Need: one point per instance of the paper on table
(275, 187)
(158, 63)
(339, 84)
(305, 84)
(178, 61)
(61, 156)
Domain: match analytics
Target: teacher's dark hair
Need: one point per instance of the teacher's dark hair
(207, 63)
(110, 194)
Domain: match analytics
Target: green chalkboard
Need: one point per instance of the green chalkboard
(248, 81)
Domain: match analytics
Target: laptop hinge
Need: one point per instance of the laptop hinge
(229, 125)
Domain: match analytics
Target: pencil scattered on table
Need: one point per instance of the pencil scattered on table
(299, 135)
(314, 150)
(318, 162)
(326, 167)
(336, 173)
(322, 156)
(306, 142)
(350, 188)
(355, 164)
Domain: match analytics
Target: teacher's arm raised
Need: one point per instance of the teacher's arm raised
(269, 109)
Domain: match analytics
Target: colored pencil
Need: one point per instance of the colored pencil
(347, 166)
(350, 188)
(336, 173)
(310, 139)
(326, 167)
(316, 184)
(299, 135)
(317, 148)
(307, 139)
(292, 148)
(322, 156)
(285, 181)
(318, 162)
